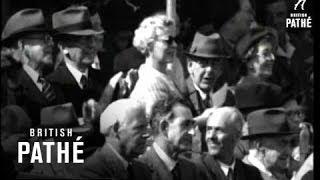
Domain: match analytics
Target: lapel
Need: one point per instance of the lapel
(239, 170)
(158, 168)
(213, 167)
(194, 97)
(114, 164)
(63, 76)
(30, 89)
(218, 98)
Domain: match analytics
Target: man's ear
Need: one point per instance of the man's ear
(163, 127)
(20, 44)
(189, 66)
(116, 127)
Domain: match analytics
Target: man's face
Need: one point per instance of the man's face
(204, 72)
(276, 15)
(276, 153)
(83, 50)
(133, 134)
(38, 48)
(263, 60)
(181, 129)
(164, 48)
(244, 18)
(221, 136)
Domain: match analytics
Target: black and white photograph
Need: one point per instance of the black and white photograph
(158, 89)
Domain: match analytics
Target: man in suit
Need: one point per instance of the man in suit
(124, 126)
(269, 136)
(172, 126)
(224, 128)
(26, 35)
(206, 61)
(75, 37)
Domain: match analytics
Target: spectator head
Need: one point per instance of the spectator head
(223, 132)
(273, 13)
(257, 51)
(207, 59)
(75, 35)
(155, 38)
(26, 34)
(172, 123)
(124, 123)
(269, 136)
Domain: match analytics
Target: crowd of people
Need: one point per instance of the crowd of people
(208, 90)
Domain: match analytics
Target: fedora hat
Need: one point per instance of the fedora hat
(61, 116)
(253, 37)
(74, 20)
(268, 123)
(208, 46)
(23, 21)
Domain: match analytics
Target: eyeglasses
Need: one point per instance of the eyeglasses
(47, 39)
(170, 40)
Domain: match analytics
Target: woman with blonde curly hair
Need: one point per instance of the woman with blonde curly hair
(155, 39)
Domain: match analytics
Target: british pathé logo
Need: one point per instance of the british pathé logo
(298, 18)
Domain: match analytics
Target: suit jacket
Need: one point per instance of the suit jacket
(63, 79)
(159, 170)
(104, 163)
(30, 98)
(210, 168)
(222, 97)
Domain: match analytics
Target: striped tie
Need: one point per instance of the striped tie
(47, 90)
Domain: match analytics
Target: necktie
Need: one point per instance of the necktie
(47, 90)
(207, 102)
(84, 82)
(230, 174)
(175, 172)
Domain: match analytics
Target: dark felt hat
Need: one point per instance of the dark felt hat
(268, 123)
(24, 21)
(74, 20)
(251, 96)
(208, 46)
(61, 116)
(253, 37)
(15, 120)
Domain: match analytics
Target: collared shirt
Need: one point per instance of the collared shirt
(256, 162)
(202, 94)
(169, 162)
(76, 73)
(225, 168)
(289, 49)
(33, 75)
(125, 163)
(96, 63)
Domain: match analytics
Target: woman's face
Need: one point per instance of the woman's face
(261, 64)
(164, 48)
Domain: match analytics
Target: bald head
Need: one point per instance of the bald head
(121, 112)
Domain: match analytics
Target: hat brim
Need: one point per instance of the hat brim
(254, 136)
(24, 31)
(207, 56)
(85, 32)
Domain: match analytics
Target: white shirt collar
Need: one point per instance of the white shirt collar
(225, 168)
(203, 95)
(255, 162)
(169, 162)
(96, 63)
(34, 75)
(76, 73)
(125, 162)
(289, 49)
